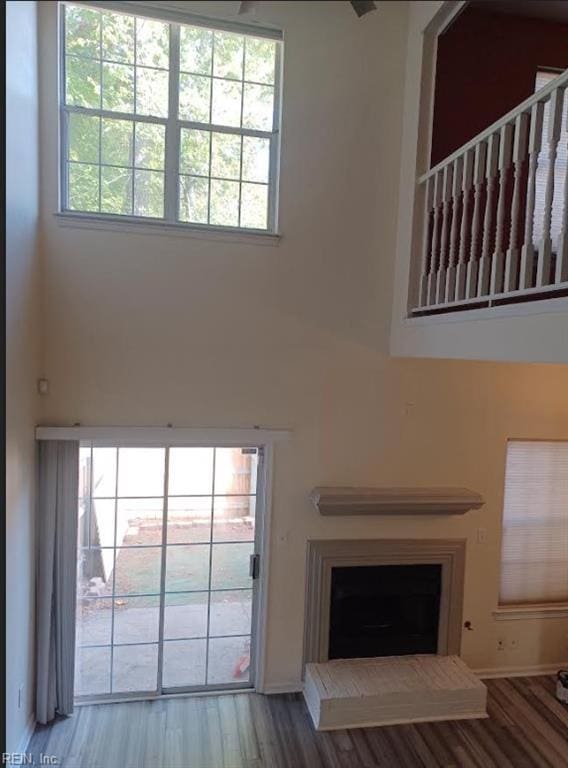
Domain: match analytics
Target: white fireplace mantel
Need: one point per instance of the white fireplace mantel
(331, 500)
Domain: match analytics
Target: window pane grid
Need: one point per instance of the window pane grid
(217, 77)
(170, 591)
(216, 178)
(132, 614)
(241, 147)
(122, 89)
(245, 162)
(115, 61)
(225, 194)
(217, 128)
(130, 156)
(165, 640)
(101, 70)
(210, 134)
(112, 616)
(118, 74)
(209, 585)
(170, 544)
(118, 66)
(114, 115)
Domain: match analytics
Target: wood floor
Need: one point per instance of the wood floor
(527, 727)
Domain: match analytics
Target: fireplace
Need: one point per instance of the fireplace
(387, 597)
(384, 610)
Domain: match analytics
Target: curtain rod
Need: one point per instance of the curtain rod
(204, 436)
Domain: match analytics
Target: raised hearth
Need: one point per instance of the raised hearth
(383, 633)
(360, 693)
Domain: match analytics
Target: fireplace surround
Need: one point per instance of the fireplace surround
(326, 561)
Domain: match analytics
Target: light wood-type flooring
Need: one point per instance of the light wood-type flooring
(527, 727)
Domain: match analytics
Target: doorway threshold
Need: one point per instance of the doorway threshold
(223, 691)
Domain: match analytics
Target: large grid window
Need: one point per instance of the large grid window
(168, 121)
(534, 545)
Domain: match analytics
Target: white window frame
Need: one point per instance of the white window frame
(529, 610)
(161, 689)
(253, 437)
(172, 123)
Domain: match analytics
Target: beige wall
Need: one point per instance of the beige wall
(535, 332)
(22, 359)
(146, 329)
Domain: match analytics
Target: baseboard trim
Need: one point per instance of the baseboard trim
(489, 672)
(532, 671)
(283, 688)
(27, 734)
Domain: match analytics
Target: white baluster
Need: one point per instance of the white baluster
(561, 274)
(434, 255)
(461, 270)
(426, 237)
(491, 176)
(443, 260)
(528, 249)
(519, 156)
(452, 255)
(478, 177)
(545, 248)
(498, 261)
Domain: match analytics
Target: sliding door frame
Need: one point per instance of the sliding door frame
(239, 438)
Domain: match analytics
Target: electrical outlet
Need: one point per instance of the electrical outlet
(500, 644)
(481, 535)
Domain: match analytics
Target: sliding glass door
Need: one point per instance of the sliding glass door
(165, 587)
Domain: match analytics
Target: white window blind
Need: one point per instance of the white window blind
(534, 547)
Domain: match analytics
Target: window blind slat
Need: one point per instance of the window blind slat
(534, 546)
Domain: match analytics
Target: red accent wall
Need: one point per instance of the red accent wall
(487, 64)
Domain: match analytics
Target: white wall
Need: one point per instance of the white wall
(22, 358)
(536, 332)
(146, 329)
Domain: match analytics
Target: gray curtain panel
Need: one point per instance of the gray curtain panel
(56, 577)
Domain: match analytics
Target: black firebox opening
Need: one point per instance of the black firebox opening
(384, 610)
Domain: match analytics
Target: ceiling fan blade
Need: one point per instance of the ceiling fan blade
(246, 5)
(361, 7)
